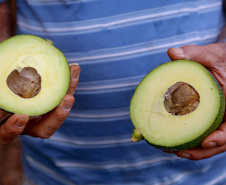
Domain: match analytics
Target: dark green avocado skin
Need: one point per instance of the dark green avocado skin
(196, 142)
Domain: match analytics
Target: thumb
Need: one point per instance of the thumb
(211, 55)
(13, 127)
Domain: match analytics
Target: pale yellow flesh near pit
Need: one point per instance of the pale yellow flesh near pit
(162, 128)
(50, 63)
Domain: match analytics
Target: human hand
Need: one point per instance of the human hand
(212, 57)
(5, 21)
(41, 126)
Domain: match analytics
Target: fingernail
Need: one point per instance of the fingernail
(76, 64)
(179, 52)
(185, 155)
(68, 105)
(210, 145)
(75, 75)
(21, 122)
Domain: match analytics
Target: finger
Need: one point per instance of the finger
(4, 115)
(51, 121)
(75, 73)
(200, 153)
(216, 139)
(212, 145)
(13, 127)
(212, 56)
(209, 55)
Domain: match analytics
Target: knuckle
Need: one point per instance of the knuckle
(11, 132)
(5, 141)
(14, 133)
(45, 134)
(61, 116)
(9, 135)
(8, 139)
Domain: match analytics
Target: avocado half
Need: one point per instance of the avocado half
(176, 106)
(34, 75)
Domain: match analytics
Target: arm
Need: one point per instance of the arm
(43, 126)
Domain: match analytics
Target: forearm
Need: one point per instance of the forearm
(4, 21)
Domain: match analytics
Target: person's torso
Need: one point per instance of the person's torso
(116, 43)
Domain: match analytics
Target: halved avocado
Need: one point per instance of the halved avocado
(176, 106)
(34, 75)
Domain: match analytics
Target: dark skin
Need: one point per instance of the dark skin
(213, 57)
(42, 126)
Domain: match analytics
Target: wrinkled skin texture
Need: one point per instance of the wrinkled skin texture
(213, 57)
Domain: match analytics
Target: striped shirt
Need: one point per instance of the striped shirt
(116, 43)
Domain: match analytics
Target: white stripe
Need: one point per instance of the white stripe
(110, 84)
(153, 11)
(100, 113)
(104, 91)
(96, 120)
(47, 171)
(121, 22)
(56, 2)
(182, 175)
(142, 51)
(71, 164)
(218, 179)
(93, 142)
(101, 87)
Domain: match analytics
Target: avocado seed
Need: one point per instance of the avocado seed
(181, 99)
(25, 83)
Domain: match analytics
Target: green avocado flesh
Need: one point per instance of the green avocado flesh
(176, 106)
(34, 75)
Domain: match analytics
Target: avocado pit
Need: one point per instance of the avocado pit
(25, 83)
(181, 99)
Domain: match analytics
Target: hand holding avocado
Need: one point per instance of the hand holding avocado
(211, 56)
(37, 87)
(40, 126)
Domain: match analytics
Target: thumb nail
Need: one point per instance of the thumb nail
(210, 145)
(68, 105)
(185, 155)
(21, 122)
(75, 75)
(76, 64)
(179, 52)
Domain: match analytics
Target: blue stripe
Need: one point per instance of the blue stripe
(111, 38)
(125, 19)
(201, 175)
(87, 127)
(117, 7)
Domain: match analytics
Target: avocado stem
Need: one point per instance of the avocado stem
(136, 135)
(49, 42)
